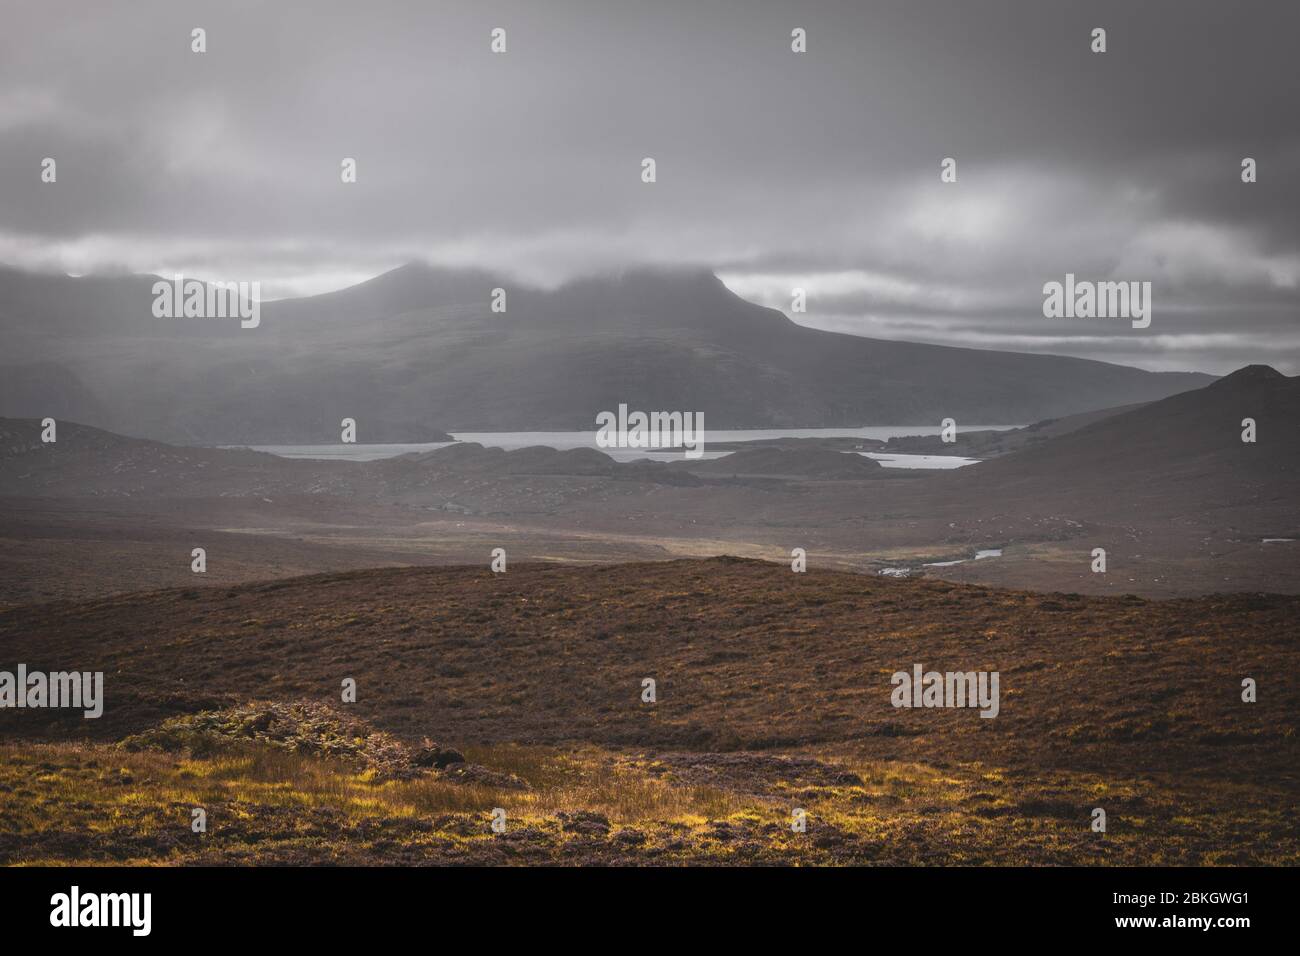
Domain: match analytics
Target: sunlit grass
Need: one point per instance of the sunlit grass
(124, 807)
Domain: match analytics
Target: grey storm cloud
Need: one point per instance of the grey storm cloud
(817, 170)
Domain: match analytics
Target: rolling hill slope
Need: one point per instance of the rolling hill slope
(1196, 435)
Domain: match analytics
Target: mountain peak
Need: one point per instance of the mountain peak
(671, 289)
(1262, 373)
(1251, 375)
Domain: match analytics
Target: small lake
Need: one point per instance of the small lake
(919, 461)
(979, 556)
(567, 440)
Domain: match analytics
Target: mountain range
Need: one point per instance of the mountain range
(419, 351)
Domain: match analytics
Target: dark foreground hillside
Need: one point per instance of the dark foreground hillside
(773, 692)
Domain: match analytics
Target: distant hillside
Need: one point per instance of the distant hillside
(990, 443)
(87, 461)
(470, 459)
(1180, 503)
(1193, 435)
(417, 351)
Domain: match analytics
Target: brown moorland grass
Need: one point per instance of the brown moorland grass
(774, 693)
(746, 655)
(93, 804)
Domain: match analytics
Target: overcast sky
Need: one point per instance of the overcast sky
(775, 169)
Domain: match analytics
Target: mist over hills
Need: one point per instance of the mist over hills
(88, 461)
(1185, 450)
(1168, 488)
(418, 350)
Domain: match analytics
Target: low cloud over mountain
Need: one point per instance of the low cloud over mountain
(418, 350)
